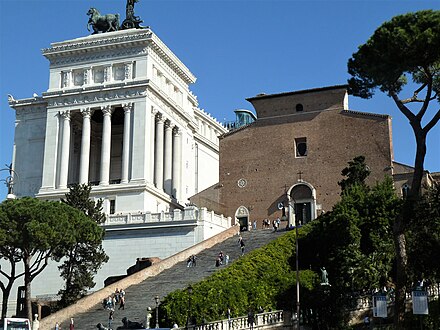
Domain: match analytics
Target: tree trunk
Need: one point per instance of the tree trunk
(420, 135)
(27, 286)
(402, 221)
(401, 271)
(6, 293)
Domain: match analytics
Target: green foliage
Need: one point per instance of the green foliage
(79, 198)
(425, 228)
(84, 256)
(260, 278)
(406, 45)
(354, 242)
(37, 231)
(356, 173)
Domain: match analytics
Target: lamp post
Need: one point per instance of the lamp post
(297, 270)
(9, 181)
(292, 219)
(188, 317)
(157, 311)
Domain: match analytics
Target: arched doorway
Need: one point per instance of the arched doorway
(242, 218)
(302, 203)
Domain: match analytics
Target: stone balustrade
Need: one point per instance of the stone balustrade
(190, 213)
(267, 320)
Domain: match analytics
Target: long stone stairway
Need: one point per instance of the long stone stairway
(141, 296)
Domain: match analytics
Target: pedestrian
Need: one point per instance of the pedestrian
(122, 303)
(110, 319)
(228, 315)
(71, 326)
(366, 322)
(221, 257)
(193, 260)
(255, 224)
(251, 320)
(57, 326)
(227, 259)
(241, 242)
(217, 262)
(189, 262)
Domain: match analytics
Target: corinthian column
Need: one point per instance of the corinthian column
(177, 161)
(158, 164)
(85, 146)
(106, 145)
(126, 142)
(65, 149)
(168, 153)
(152, 146)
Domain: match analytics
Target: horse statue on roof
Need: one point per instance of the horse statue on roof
(102, 23)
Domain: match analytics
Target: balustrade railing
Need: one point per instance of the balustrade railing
(262, 320)
(190, 213)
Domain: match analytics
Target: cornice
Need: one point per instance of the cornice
(207, 117)
(97, 46)
(166, 103)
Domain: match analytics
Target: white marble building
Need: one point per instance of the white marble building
(119, 114)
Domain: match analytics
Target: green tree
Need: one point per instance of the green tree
(85, 256)
(357, 171)
(425, 227)
(9, 252)
(405, 46)
(355, 244)
(37, 230)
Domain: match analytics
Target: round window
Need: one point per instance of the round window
(242, 183)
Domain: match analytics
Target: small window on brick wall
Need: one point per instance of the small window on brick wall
(301, 147)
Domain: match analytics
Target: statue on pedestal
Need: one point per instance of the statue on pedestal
(324, 276)
(131, 21)
(102, 23)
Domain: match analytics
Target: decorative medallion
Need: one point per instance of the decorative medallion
(242, 183)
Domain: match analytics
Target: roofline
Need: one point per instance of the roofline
(312, 90)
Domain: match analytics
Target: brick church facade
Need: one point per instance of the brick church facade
(289, 160)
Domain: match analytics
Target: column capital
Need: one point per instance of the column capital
(160, 117)
(65, 114)
(107, 110)
(177, 131)
(154, 111)
(168, 125)
(86, 112)
(127, 106)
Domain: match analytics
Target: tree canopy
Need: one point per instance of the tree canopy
(84, 257)
(406, 46)
(37, 231)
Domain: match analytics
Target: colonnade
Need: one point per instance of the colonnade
(165, 154)
(166, 150)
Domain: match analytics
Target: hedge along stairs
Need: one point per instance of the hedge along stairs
(160, 279)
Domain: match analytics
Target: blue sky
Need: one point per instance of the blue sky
(236, 49)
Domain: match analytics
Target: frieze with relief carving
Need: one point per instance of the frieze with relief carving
(96, 97)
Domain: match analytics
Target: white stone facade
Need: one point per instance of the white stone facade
(119, 114)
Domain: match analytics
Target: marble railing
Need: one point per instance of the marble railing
(263, 320)
(190, 213)
(365, 301)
